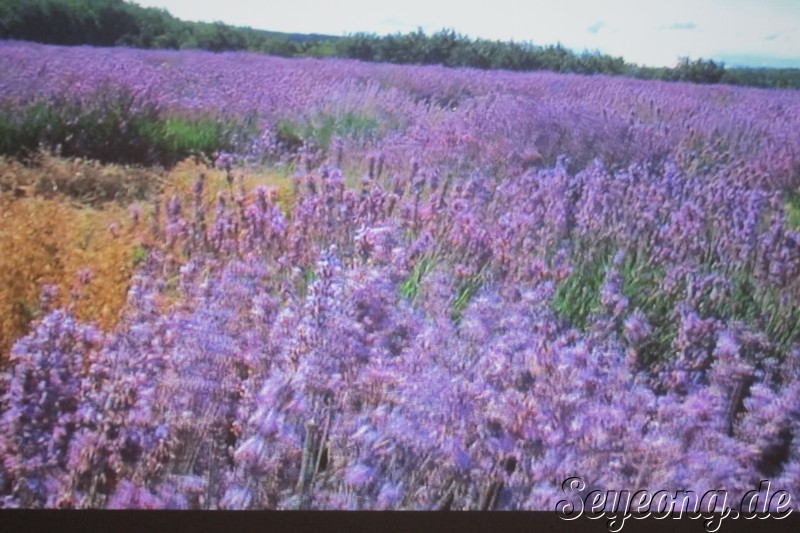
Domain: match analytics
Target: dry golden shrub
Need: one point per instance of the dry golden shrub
(182, 178)
(49, 237)
(88, 182)
(44, 241)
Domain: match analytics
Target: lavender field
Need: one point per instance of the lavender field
(474, 286)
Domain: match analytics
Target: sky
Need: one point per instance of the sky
(647, 32)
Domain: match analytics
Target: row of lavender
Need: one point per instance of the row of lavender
(459, 118)
(438, 337)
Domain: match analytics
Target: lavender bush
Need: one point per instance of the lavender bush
(552, 276)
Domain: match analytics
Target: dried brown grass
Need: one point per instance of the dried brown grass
(59, 217)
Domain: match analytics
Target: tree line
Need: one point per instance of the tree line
(121, 23)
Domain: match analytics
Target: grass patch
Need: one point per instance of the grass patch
(181, 137)
(578, 296)
(113, 127)
(305, 282)
(577, 300)
(410, 287)
(763, 308)
(466, 291)
(792, 205)
(138, 255)
(322, 128)
(642, 288)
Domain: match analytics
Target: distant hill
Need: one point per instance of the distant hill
(120, 23)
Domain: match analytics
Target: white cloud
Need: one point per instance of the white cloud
(596, 27)
(680, 26)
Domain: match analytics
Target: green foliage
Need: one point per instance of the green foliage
(768, 78)
(182, 136)
(323, 49)
(22, 131)
(466, 291)
(139, 255)
(642, 286)
(759, 306)
(699, 71)
(113, 127)
(320, 129)
(793, 210)
(688, 70)
(116, 22)
(410, 287)
(218, 37)
(305, 282)
(578, 296)
(95, 22)
(289, 134)
(577, 299)
(452, 49)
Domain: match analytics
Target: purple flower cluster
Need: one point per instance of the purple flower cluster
(396, 344)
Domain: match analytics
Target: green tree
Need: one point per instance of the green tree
(699, 71)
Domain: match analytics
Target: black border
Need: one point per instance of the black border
(64, 521)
